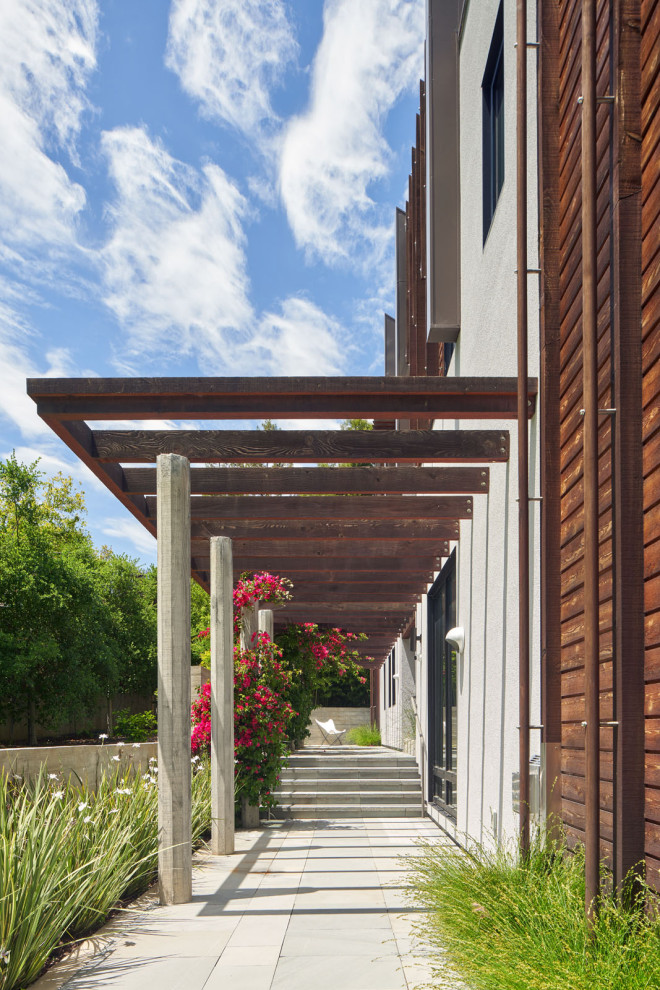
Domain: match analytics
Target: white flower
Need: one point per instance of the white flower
(4, 956)
(123, 790)
(83, 805)
(88, 818)
(146, 776)
(17, 776)
(120, 744)
(194, 759)
(104, 735)
(114, 811)
(53, 776)
(58, 795)
(152, 780)
(116, 759)
(136, 745)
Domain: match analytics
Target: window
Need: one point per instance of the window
(492, 88)
(442, 694)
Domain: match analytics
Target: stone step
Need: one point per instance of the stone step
(307, 763)
(350, 773)
(322, 812)
(349, 797)
(375, 784)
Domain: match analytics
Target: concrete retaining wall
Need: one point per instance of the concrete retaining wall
(344, 718)
(84, 763)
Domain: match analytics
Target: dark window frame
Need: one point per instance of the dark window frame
(492, 88)
(442, 686)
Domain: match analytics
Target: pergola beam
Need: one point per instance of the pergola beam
(383, 397)
(281, 508)
(264, 551)
(307, 530)
(301, 446)
(362, 480)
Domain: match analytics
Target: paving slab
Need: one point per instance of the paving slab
(316, 904)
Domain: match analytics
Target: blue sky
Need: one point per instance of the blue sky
(196, 187)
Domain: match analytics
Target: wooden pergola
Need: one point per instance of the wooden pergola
(360, 542)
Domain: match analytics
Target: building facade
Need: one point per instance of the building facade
(457, 314)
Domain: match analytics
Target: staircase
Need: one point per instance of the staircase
(349, 782)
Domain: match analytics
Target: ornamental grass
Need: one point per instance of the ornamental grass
(69, 856)
(498, 922)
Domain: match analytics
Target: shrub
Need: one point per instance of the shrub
(364, 735)
(135, 728)
(508, 922)
(68, 856)
(261, 719)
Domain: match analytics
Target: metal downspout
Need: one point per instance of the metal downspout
(523, 457)
(590, 460)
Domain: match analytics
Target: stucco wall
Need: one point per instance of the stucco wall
(397, 720)
(487, 552)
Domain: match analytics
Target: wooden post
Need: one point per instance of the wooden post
(174, 768)
(222, 698)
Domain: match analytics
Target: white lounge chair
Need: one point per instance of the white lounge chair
(330, 731)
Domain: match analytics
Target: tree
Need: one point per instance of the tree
(75, 624)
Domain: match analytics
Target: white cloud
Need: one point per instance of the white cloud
(126, 528)
(175, 264)
(228, 54)
(370, 53)
(301, 340)
(47, 53)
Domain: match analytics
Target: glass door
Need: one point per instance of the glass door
(442, 690)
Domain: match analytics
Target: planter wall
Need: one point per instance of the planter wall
(86, 762)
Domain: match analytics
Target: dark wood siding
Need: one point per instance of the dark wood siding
(627, 64)
(570, 433)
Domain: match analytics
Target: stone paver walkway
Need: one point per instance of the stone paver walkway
(314, 905)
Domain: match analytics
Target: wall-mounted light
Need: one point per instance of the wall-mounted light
(456, 638)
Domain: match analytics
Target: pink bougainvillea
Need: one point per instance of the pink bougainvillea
(261, 712)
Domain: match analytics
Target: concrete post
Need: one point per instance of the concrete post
(174, 769)
(222, 698)
(266, 622)
(248, 627)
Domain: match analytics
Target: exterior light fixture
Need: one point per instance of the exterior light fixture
(456, 638)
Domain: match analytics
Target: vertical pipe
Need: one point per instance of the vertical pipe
(174, 773)
(590, 458)
(523, 457)
(222, 697)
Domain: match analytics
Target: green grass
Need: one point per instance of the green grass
(364, 735)
(68, 856)
(503, 925)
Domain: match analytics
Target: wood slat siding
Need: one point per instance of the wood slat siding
(570, 420)
(423, 358)
(650, 89)
(627, 64)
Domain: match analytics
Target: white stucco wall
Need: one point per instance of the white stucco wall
(487, 553)
(397, 721)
